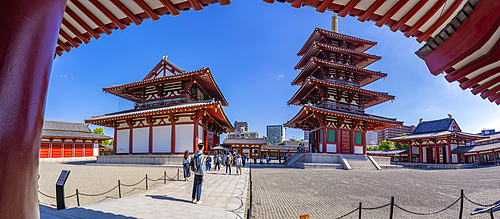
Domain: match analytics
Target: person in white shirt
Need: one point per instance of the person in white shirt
(239, 161)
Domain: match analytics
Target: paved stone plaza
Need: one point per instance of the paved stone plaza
(288, 192)
(223, 196)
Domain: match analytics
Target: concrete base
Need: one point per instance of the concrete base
(67, 159)
(141, 159)
(318, 165)
(438, 166)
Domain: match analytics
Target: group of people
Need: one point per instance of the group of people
(201, 163)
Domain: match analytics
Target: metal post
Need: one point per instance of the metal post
(119, 190)
(461, 204)
(178, 174)
(165, 177)
(77, 198)
(491, 213)
(392, 207)
(359, 210)
(146, 181)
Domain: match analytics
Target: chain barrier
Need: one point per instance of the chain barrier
(134, 183)
(99, 193)
(375, 208)
(345, 215)
(70, 196)
(477, 203)
(436, 212)
(46, 194)
(155, 179)
(173, 178)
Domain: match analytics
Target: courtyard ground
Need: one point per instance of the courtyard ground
(280, 192)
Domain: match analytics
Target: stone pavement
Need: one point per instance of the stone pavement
(223, 196)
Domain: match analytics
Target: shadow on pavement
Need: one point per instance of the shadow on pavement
(84, 162)
(164, 197)
(48, 213)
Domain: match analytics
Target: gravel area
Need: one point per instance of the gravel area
(289, 192)
(90, 178)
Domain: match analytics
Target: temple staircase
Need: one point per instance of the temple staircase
(359, 162)
(292, 159)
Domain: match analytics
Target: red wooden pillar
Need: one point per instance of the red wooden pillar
(50, 148)
(494, 157)
(325, 137)
(195, 136)
(338, 139)
(150, 142)
(353, 140)
(73, 153)
(450, 160)
(411, 151)
(420, 156)
(27, 43)
(115, 126)
(478, 159)
(131, 137)
(171, 117)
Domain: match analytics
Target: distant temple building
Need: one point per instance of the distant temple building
(174, 111)
(69, 140)
(331, 95)
(443, 142)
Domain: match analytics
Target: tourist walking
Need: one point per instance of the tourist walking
(244, 158)
(254, 159)
(185, 165)
(228, 163)
(209, 162)
(261, 161)
(238, 162)
(267, 159)
(216, 162)
(199, 174)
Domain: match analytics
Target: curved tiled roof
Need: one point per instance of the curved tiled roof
(477, 148)
(55, 129)
(429, 135)
(433, 126)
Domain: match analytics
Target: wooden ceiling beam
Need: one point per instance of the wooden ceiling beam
(323, 6)
(92, 17)
(76, 32)
(63, 46)
(171, 7)
(70, 40)
(145, 7)
(494, 98)
(108, 14)
(297, 3)
(196, 5)
(427, 34)
(348, 7)
(58, 52)
(390, 13)
(227, 2)
(127, 12)
(425, 18)
(408, 15)
(472, 82)
(82, 23)
(490, 92)
(485, 86)
(369, 12)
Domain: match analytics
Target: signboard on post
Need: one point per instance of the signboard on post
(60, 189)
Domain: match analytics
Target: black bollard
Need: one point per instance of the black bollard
(360, 210)
(178, 174)
(392, 207)
(461, 204)
(146, 181)
(165, 177)
(77, 198)
(119, 190)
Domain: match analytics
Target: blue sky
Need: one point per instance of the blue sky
(251, 47)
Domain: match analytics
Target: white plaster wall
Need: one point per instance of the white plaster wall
(184, 138)
(415, 150)
(331, 148)
(140, 140)
(200, 134)
(454, 158)
(184, 119)
(245, 150)
(453, 146)
(96, 148)
(424, 155)
(320, 146)
(122, 137)
(162, 139)
(358, 149)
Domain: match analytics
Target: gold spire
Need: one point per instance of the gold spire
(335, 23)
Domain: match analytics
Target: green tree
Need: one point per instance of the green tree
(100, 131)
(399, 145)
(385, 145)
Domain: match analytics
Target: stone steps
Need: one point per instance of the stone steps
(304, 165)
(359, 162)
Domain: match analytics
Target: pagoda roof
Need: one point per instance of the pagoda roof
(317, 46)
(164, 65)
(203, 78)
(56, 129)
(309, 110)
(312, 83)
(212, 107)
(438, 134)
(314, 63)
(318, 33)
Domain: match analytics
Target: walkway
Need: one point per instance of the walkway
(223, 196)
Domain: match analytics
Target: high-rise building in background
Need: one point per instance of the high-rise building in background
(306, 135)
(385, 134)
(242, 131)
(275, 134)
(241, 126)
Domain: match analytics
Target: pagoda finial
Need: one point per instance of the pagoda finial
(165, 58)
(335, 23)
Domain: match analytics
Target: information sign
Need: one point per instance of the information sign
(62, 178)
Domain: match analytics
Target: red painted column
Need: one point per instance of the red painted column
(27, 44)
(436, 153)
(338, 139)
(450, 159)
(494, 157)
(420, 156)
(411, 151)
(478, 159)
(131, 138)
(172, 138)
(195, 136)
(325, 137)
(114, 139)
(150, 142)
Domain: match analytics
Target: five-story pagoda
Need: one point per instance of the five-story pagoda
(174, 111)
(331, 79)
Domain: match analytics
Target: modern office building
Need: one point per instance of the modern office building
(241, 126)
(275, 134)
(387, 133)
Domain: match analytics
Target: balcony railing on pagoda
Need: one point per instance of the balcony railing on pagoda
(343, 107)
(164, 102)
(345, 83)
